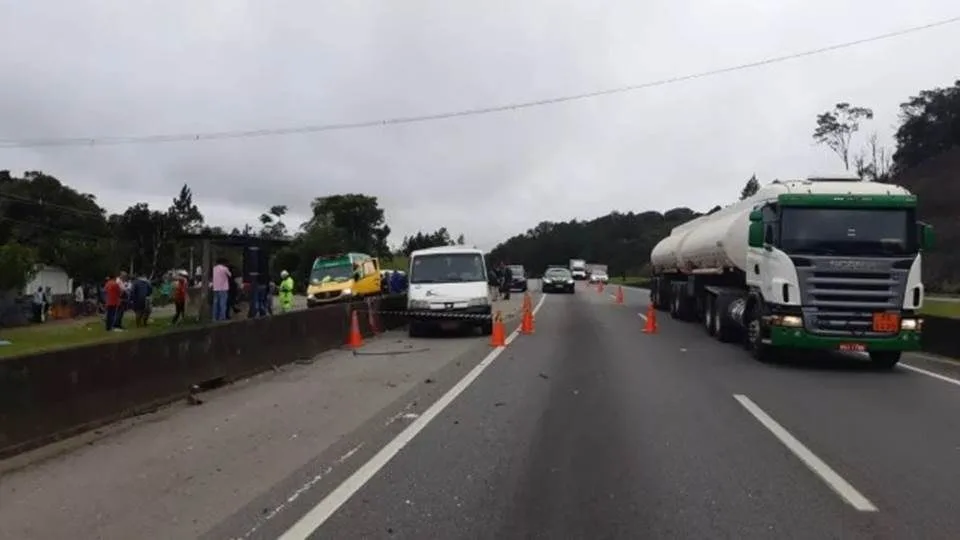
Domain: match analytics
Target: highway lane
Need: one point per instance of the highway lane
(590, 429)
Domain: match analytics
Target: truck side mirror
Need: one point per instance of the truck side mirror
(927, 238)
(755, 234)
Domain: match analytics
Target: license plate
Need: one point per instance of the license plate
(449, 325)
(853, 347)
(886, 322)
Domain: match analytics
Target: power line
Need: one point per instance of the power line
(38, 202)
(267, 132)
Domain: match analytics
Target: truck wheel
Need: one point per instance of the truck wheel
(725, 330)
(486, 328)
(885, 359)
(710, 315)
(755, 331)
(675, 306)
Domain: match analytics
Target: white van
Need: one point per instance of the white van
(448, 289)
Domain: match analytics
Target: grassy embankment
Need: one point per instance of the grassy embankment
(936, 307)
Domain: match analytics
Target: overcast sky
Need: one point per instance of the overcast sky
(139, 67)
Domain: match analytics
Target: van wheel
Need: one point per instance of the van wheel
(486, 328)
(415, 330)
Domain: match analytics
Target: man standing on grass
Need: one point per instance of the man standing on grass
(113, 292)
(179, 297)
(221, 290)
(140, 293)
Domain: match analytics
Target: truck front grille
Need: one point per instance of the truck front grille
(842, 303)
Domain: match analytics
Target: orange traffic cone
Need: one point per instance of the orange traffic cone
(498, 338)
(599, 287)
(526, 323)
(619, 298)
(355, 339)
(527, 302)
(651, 326)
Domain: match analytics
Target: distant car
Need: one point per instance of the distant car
(519, 276)
(558, 280)
(599, 277)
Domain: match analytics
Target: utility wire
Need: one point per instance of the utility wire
(38, 202)
(266, 132)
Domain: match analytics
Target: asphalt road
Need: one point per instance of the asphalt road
(586, 429)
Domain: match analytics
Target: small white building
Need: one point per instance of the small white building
(50, 276)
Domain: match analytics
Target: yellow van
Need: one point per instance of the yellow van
(342, 277)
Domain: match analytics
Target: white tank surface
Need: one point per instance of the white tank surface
(719, 240)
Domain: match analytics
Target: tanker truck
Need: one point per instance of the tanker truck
(816, 264)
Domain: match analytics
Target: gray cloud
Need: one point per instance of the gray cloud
(87, 67)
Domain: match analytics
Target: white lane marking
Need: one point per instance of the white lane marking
(642, 316)
(320, 513)
(821, 469)
(303, 489)
(938, 376)
(932, 358)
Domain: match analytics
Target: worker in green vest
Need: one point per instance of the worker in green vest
(286, 292)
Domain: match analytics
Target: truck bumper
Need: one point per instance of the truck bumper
(798, 338)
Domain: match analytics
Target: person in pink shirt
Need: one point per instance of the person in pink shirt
(221, 290)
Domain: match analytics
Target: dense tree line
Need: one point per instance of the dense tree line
(929, 126)
(44, 221)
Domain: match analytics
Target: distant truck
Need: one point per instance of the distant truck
(817, 264)
(578, 268)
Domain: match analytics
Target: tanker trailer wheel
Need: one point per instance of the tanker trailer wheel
(675, 306)
(884, 359)
(710, 315)
(724, 328)
(755, 331)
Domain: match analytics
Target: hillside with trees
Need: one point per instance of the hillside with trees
(926, 160)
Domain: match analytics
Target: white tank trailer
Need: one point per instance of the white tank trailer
(819, 264)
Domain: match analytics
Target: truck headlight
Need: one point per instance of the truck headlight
(790, 321)
(418, 304)
(480, 301)
(911, 324)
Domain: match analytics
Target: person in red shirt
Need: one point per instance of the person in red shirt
(113, 291)
(179, 297)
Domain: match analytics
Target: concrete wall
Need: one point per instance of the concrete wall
(47, 396)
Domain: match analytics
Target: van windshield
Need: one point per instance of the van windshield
(448, 268)
(331, 271)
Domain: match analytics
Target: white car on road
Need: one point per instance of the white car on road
(599, 277)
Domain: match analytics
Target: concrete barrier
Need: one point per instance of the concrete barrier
(941, 335)
(48, 396)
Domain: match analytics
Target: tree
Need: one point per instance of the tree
(440, 237)
(929, 126)
(272, 221)
(621, 240)
(149, 236)
(873, 163)
(184, 213)
(461, 240)
(750, 188)
(357, 218)
(18, 265)
(836, 128)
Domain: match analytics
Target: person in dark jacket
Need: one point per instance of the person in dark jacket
(506, 281)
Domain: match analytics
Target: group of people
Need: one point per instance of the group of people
(42, 300)
(121, 293)
(227, 289)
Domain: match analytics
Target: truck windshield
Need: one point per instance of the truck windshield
(448, 268)
(848, 231)
(324, 271)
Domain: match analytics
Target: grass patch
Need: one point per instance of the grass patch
(67, 334)
(941, 308)
(631, 281)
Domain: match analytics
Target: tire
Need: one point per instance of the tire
(675, 306)
(885, 359)
(415, 330)
(486, 328)
(710, 314)
(754, 338)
